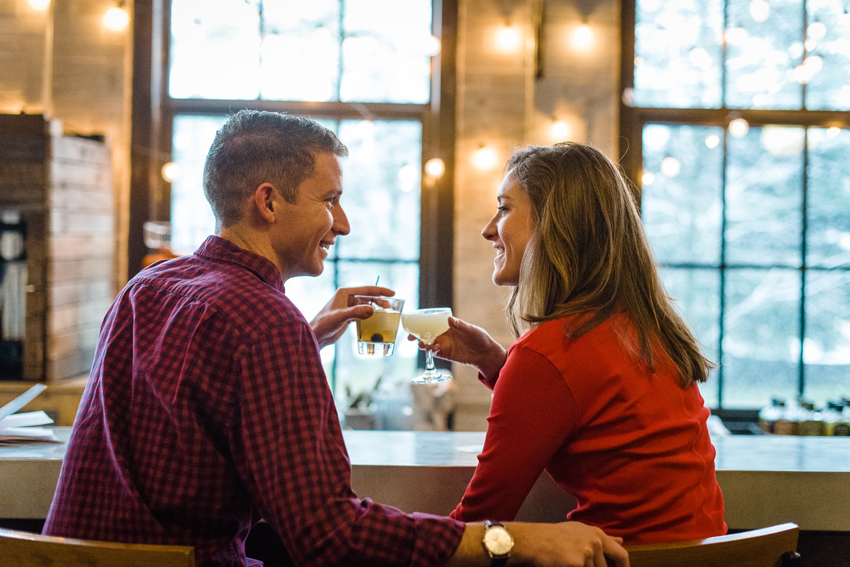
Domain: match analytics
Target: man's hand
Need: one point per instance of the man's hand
(469, 344)
(331, 321)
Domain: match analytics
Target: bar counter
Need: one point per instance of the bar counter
(765, 480)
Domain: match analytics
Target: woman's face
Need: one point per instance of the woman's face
(509, 231)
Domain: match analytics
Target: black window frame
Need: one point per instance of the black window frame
(632, 120)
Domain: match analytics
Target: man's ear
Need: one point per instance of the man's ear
(265, 200)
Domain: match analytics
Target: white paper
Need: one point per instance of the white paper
(25, 419)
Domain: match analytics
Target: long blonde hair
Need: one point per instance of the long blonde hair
(588, 255)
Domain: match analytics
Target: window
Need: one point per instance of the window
(735, 117)
(367, 70)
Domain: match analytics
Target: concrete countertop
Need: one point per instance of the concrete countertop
(766, 480)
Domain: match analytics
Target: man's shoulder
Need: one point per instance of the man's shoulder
(229, 290)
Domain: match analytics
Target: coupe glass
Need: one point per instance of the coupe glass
(426, 325)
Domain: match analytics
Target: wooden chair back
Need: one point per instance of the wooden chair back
(24, 549)
(775, 546)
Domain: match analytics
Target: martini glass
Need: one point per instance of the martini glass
(426, 325)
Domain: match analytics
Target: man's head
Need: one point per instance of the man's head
(255, 147)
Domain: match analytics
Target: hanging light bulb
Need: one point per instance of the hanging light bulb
(670, 167)
(739, 127)
(712, 141)
(39, 4)
(560, 130)
(433, 46)
(814, 63)
(170, 171)
(484, 158)
(816, 30)
(647, 178)
(832, 132)
(759, 10)
(507, 39)
(116, 18)
(582, 38)
(435, 168)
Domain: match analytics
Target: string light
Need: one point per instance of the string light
(816, 31)
(170, 171)
(39, 4)
(712, 141)
(582, 38)
(507, 39)
(484, 158)
(433, 46)
(435, 168)
(832, 132)
(670, 167)
(560, 130)
(739, 127)
(647, 179)
(116, 18)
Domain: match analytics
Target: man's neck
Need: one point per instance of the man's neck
(250, 240)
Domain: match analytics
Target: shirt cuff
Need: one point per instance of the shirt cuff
(437, 539)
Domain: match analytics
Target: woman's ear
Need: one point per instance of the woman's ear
(265, 201)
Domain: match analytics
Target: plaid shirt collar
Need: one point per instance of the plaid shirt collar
(218, 249)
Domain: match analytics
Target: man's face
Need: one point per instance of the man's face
(309, 227)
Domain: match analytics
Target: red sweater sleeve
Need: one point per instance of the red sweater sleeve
(532, 415)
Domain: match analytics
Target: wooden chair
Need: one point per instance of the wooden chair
(775, 546)
(24, 549)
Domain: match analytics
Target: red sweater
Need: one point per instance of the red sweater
(631, 445)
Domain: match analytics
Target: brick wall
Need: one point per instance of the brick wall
(502, 104)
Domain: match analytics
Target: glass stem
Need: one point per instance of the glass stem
(429, 361)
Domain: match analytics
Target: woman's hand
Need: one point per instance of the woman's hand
(469, 344)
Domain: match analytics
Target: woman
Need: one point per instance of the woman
(601, 389)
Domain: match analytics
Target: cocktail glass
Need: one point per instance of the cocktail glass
(376, 335)
(426, 325)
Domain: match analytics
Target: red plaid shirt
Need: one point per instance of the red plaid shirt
(207, 408)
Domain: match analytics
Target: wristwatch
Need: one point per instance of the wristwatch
(498, 543)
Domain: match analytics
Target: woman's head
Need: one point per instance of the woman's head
(586, 251)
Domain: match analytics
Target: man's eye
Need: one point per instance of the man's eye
(502, 209)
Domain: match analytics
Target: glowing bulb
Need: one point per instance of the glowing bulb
(407, 177)
(170, 171)
(433, 46)
(435, 168)
(813, 63)
(832, 132)
(802, 74)
(485, 158)
(582, 38)
(759, 10)
(670, 167)
(116, 19)
(736, 36)
(507, 39)
(739, 127)
(816, 31)
(39, 4)
(560, 130)
(712, 141)
(647, 178)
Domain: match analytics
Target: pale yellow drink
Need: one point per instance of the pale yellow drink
(376, 335)
(379, 328)
(426, 326)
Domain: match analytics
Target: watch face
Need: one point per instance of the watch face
(498, 540)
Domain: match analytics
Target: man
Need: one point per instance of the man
(207, 407)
